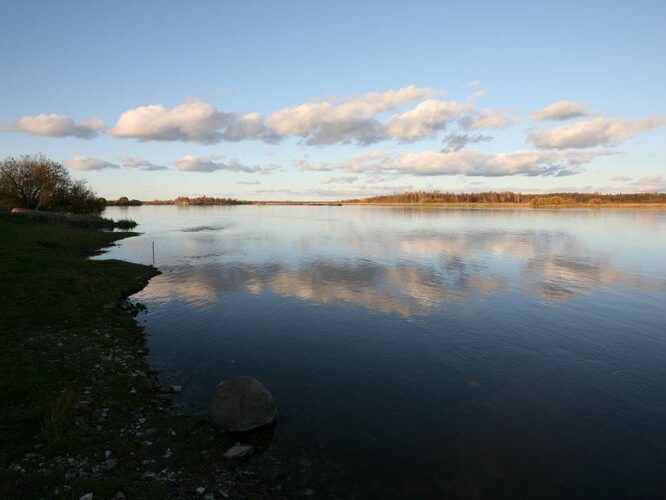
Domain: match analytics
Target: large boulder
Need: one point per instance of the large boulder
(242, 404)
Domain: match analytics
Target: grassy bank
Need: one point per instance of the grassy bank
(80, 410)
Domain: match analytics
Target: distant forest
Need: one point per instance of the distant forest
(200, 200)
(517, 198)
(181, 200)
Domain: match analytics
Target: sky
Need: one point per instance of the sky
(327, 100)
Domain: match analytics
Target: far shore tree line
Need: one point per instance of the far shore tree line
(38, 183)
(181, 201)
(535, 200)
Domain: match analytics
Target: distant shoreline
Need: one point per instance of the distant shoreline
(489, 199)
(517, 205)
(660, 206)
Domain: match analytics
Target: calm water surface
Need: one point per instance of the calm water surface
(430, 352)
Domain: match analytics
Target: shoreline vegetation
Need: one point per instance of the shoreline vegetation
(80, 409)
(444, 199)
(77, 220)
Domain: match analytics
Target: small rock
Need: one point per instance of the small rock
(238, 450)
(87, 496)
(176, 389)
(200, 490)
(107, 453)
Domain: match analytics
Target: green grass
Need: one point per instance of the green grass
(52, 303)
(75, 382)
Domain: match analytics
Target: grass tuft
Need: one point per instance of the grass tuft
(57, 417)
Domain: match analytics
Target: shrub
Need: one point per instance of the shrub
(125, 224)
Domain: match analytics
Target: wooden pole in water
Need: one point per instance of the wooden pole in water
(153, 253)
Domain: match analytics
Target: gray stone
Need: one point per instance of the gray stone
(239, 450)
(242, 404)
(87, 496)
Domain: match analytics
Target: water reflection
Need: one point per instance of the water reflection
(434, 353)
(405, 289)
(411, 273)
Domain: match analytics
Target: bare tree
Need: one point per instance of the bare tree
(31, 181)
(36, 182)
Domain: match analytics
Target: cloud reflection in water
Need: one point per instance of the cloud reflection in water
(412, 273)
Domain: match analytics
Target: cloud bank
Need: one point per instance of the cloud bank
(364, 119)
(470, 163)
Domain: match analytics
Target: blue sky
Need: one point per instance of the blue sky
(319, 100)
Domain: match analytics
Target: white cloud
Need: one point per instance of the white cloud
(193, 121)
(561, 110)
(426, 119)
(212, 164)
(598, 131)
(249, 183)
(430, 117)
(343, 120)
(53, 125)
(344, 179)
(86, 163)
(141, 164)
(472, 163)
(490, 118)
